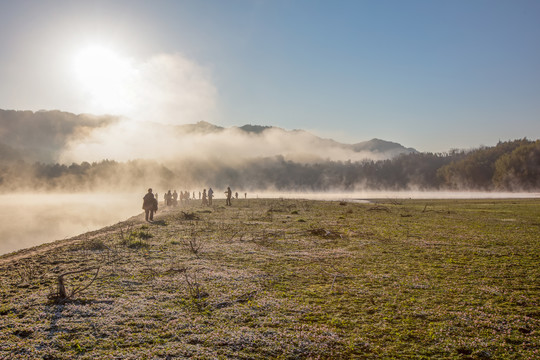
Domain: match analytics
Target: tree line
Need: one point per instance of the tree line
(509, 166)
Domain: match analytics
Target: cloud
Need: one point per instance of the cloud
(173, 90)
(165, 88)
(126, 140)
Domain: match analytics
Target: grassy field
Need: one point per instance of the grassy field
(285, 279)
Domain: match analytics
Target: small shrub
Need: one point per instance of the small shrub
(135, 239)
(5, 310)
(137, 244)
(189, 216)
(143, 235)
(95, 245)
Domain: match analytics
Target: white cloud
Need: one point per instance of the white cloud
(165, 88)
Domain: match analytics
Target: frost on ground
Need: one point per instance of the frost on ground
(291, 279)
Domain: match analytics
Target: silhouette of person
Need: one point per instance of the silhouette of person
(149, 205)
(175, 198)
(210, 196)
(204, 201)
(229, 194)
(168, 198)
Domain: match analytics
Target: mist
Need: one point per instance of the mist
(165, 88)
(29, 219)
(127, 139)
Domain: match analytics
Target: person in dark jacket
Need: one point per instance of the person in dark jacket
(149, 205)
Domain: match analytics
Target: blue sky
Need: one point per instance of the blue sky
(428, 74)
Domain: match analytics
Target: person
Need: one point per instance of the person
(229, 194)
(236, 195)
(175, 198)
(210, 196)
(245, 195)
(168, 198)
(204, 201)
(149, 205)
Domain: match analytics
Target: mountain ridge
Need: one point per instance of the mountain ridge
(373, 145)
(44, 135)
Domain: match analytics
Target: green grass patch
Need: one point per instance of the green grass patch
(445, 279)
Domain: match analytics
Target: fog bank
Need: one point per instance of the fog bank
(126, 139)
(381, 195)
(29, 220)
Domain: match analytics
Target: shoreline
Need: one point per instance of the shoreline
(26, 252)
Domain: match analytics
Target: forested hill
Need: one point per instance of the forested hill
(510, 166)
(55, 136)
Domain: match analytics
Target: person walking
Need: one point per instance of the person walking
(229, 194)
(149, 205)
(204, 201)
(175, 198)
(210, 196)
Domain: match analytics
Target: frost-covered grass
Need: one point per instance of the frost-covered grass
(288, 279)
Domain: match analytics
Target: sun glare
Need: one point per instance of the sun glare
(105, 77)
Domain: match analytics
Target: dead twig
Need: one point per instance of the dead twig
(334, 275)
(62, 295)
(190, 216)
(193, 244)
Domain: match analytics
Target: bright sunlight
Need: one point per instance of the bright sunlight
(106, 77)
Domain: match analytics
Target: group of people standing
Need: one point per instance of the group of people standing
(150, 200)
(207, 198)
(172, 198)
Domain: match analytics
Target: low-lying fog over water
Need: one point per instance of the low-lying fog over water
(28, 220)
(413, 194)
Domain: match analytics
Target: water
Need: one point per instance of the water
(27, 220)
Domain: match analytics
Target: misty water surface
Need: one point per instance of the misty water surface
(27, 220)
(32, 219)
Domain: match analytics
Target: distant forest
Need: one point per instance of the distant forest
(508, 166)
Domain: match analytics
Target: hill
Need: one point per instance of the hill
(42, 135)
(386, 149)
(46, 136)
(274, 279)
(109, 154)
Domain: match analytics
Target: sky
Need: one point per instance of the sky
(433, 75)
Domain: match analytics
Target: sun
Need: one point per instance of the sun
(105, 77)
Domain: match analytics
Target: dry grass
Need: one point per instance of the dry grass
(288, 279)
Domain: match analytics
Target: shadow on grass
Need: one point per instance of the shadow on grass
(159, 223)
